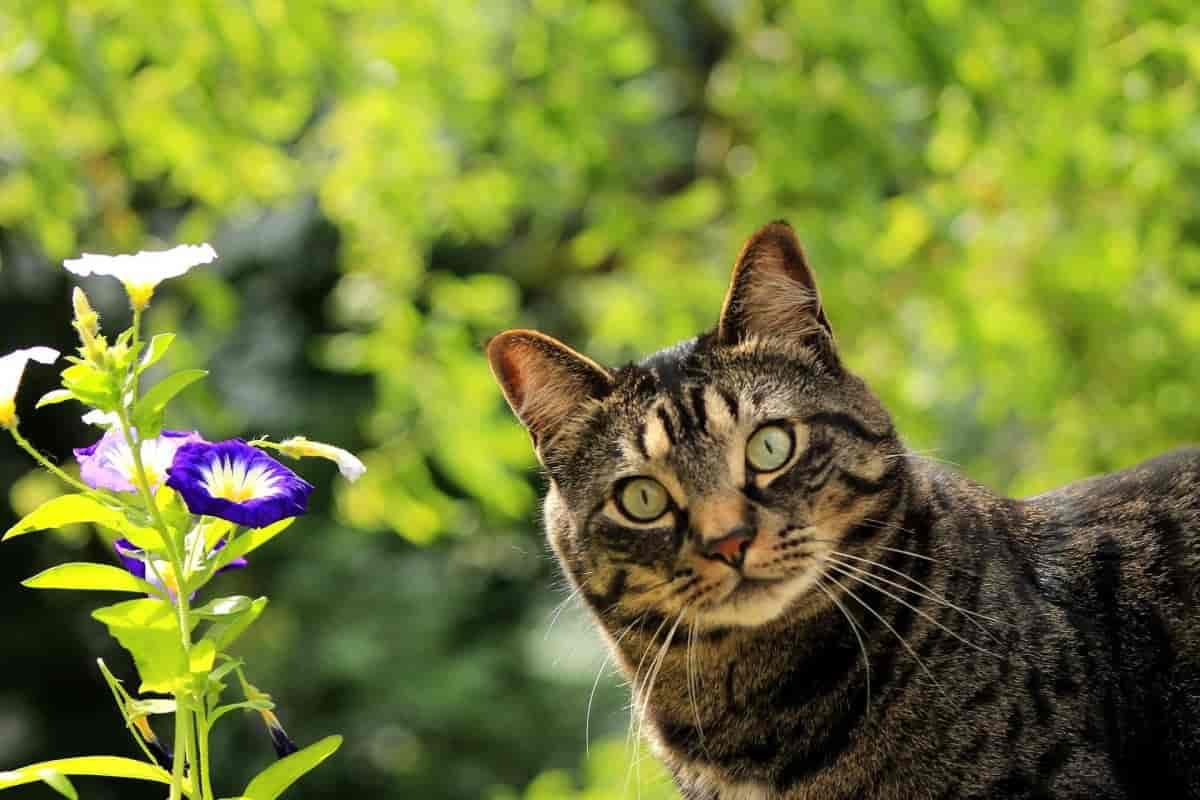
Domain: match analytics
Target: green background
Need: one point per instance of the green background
(1001, 202)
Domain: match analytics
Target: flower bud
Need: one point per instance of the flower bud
(87, 322)
(86, 318)
(348, 464)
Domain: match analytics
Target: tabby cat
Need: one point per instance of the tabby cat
(804, 610)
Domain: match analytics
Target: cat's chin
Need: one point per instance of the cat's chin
(752, 602)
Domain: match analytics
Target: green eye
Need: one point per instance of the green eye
(643, 499)
(769, 447)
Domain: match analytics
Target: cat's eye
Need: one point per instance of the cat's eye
(643, 499)
(770, 447)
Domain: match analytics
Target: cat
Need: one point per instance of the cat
(805, 610)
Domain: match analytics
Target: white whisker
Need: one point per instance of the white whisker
(887, 625)
(868, 584)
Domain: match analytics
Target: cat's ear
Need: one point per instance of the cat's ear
(543, 380)
(773, 293)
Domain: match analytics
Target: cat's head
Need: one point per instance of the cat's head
(713, 475)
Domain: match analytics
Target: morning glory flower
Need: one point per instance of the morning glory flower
(138, 561)
(144, 270)
(284, 746)
(162, 753)
(237, 482)
(103, 419)
(347, 463)
(108, 464)
(12, 367)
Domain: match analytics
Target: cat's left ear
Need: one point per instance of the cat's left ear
(544, 381)
(773, 293)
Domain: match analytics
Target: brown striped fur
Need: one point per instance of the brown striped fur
(887, 629)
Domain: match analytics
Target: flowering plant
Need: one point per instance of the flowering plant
(181, 511)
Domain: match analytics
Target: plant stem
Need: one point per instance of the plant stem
(184, 726)
(182, 719)
(24, 444)
(206, 792)
(190, 744)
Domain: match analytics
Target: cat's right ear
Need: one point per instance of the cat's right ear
(773, 293)
(544, 381)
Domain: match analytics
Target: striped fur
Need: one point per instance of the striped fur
(893, 630)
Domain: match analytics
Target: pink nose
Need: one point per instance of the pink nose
(730, 548)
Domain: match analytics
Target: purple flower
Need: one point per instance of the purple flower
(108, 464)
(161, 752)
(136, 561)
(237, 482)
(284, 746)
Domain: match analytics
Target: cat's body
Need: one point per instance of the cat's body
(806, 610)
(1095, 644)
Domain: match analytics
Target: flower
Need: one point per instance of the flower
(237, 482)
(142, 564)
(162, 753)
(108, 464)
(284, 746)
(103, 419)
(348, 464)
(144, 270)
(12, 366)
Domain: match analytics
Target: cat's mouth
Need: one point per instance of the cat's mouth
(748, 588)
(753, 601)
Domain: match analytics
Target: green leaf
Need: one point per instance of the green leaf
(91, 386)
(156, 350)
(252, 540)
(149, 630)
(95, 577)
(249, 705)
(148, 413)
(67, 509)
(224, 607)
(202, 655)
(58, 782)
(271, 782)
(229, 666)
(54, 396)
(144, 538)
(102, 766)
(224, 633)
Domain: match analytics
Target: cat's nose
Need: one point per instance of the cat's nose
(730, 548)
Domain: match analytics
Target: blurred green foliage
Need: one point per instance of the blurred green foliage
(1001, 201)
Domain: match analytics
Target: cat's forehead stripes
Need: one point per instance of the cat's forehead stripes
(656, 435)
(679, 418)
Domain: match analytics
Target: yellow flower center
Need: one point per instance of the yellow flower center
(232, 481)
(139, 294)
(153, 476)
(8, 412)
(169, 579)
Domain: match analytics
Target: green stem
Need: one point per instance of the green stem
(182, 718)
(183, 714)
(24, 444)
(202, 728)
(190, 741)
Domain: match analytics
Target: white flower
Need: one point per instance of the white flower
(102, 419)
(348, 464)
(12, 366)
(144, 270)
